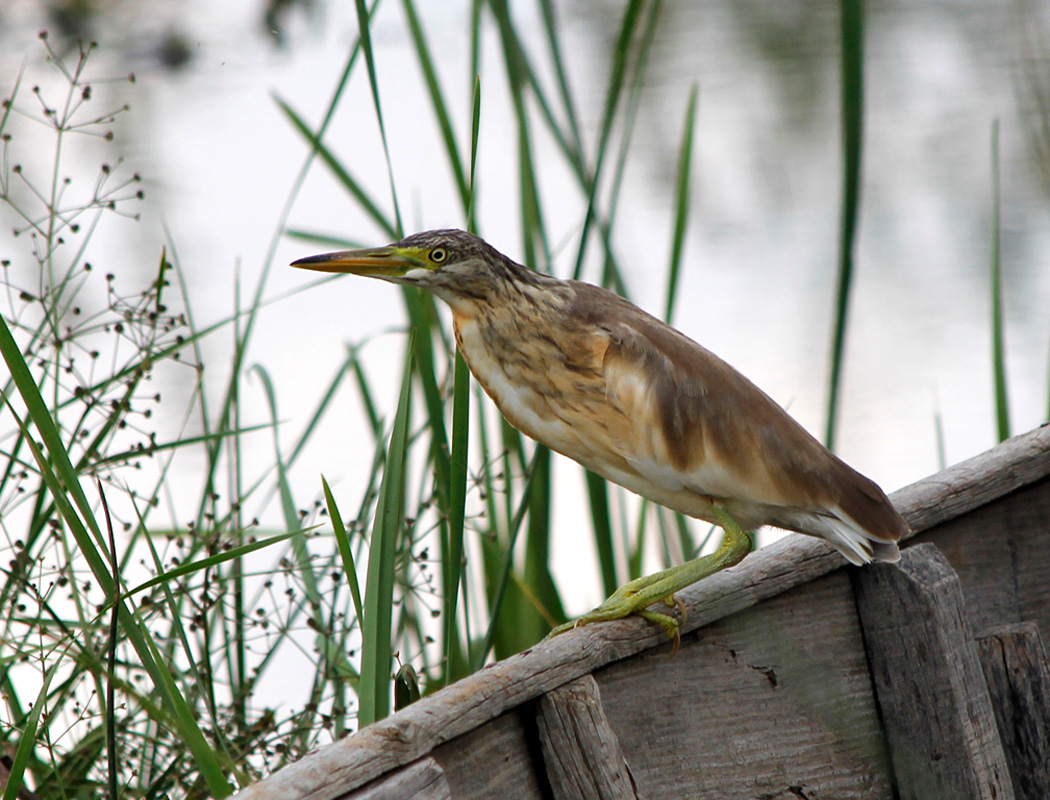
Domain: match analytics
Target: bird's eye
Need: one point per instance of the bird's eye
(438, 255)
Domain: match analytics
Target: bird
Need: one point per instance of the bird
(594, 377)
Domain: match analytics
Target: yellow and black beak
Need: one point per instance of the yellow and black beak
(391, 263)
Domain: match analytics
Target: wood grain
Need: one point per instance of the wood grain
(417, 730)
(495, 761)
(582, 755)
(935, 705)
(976, 482)
(773, 702)
(1001, 553)
(1018, 676)
(421, 780)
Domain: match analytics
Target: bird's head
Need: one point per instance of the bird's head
(453, 264)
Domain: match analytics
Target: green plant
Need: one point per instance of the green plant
(131, 643)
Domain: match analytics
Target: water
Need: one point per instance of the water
(218, 158)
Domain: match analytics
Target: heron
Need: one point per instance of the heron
(592, 376)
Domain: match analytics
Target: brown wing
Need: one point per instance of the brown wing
(703, 428)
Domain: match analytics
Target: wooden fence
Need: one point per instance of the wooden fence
(798, 677)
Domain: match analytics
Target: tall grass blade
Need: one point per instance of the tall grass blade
(212, 764)
(601, 523)
(288, 507)
(319, 412)
(538, 617)
(518, 78)
(364, 388)
(201, 679)
(65, 484)
(491, 544)
(1002, 404)
(424, 322)
(683, 181)
(346, 553)
(16, 771)
(852, 75)
(199, 565)
(550, 27)
(454, 566)
(376, 623)
(245, 336)
(636, 552)
(475, 126)
(370, 65)
(611, 276)
(613, 96)
(437, 101)
(342, 174)
(938, 435)
(499, 586)
(111, 655)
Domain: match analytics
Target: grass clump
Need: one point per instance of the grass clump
(140, 618)
(136, 617)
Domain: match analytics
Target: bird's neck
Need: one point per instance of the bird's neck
(509, 342)
(509, 317)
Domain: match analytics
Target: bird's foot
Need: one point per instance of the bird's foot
(663, 587)
(634, 598)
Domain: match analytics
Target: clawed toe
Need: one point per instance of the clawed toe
(625, 603)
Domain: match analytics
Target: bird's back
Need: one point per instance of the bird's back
(592, 376)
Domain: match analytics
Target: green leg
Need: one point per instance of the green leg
(636, 596)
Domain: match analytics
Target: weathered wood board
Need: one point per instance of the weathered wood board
(1018, 676)
(1001, 553)
(422, 780)
(775, 701)
(772, 669)
(935, 704)
(499, 755)
(581, 752)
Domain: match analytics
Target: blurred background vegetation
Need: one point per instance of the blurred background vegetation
(848, 204)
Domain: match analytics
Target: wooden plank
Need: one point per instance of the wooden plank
(1001, 553)
(495, 761)
(980, 549)
(1031, 514)
(953, 492)
(580, 749)
(1018, 676)
(935, 705)
(774, 702)
(790, 562)
(422, 780)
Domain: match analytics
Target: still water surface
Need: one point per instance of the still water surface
(218, 160)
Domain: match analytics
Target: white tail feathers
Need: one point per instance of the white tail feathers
(856, 544)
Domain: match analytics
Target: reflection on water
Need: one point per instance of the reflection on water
(218, 159)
